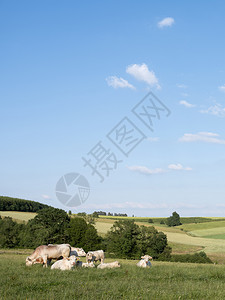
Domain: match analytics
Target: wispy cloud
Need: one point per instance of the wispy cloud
(153, 139)
(186, 104)
(118, 82)
(142, 73)
(166, 22)
(222, 88)
(207, 137)
(145, 170)
(181, 86)
(216, 110)
(127, 204)
(178, 167)
(46, 197)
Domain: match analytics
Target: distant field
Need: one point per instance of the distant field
(184, 220)
(180, 238)
(164, 281)
(18, 215)
(203, 226)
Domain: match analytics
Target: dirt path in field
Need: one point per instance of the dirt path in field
(210, 245)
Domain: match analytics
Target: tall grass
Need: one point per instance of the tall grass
(162, 281)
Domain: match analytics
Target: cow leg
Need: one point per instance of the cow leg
(49, 262)
(45, 261)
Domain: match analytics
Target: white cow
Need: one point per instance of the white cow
(44, 254)
(111, 265)
(144, 262)
(77, 251)
(94, 256)
(85, 265)
(65, 263)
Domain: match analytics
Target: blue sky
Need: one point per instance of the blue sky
(71, 71)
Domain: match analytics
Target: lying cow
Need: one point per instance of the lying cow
(65, 263)
(85, 265)
(77, 251)
(94, 256)
(44, 254)
(111, 265)
(144, 262)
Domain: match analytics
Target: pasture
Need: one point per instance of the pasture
(18, 216)
(187, 238)
(163, 281)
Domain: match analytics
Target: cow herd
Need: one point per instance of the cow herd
(67, 257)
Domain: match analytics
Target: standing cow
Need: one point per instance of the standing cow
(94, 256)
(44, 254)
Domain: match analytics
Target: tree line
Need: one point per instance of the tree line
(14, 204)
(54, 226)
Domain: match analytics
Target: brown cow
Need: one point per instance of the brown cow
(44, 254)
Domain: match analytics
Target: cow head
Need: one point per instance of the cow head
(29, 262)
(146, 257)
(89, 256)
(81, 252)
(72, 259)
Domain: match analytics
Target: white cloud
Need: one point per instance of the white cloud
(208, 137)
(127, 204)
(181, 86)
(153, 139)
(186, 104)
(142, 73)
(166, 22)
(145, 170)
(117, 82)
(216, 110)
(46, 197)
(222, 88)
(178, 167)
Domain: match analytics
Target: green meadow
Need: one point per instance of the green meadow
(163, 281)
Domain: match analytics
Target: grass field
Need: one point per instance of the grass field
(18, 216)
(187, 238)
(207, 236)
(162, 281)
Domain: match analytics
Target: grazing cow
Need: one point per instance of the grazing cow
(144, 262)
(111, 265)
(77, 251)
(44, 254)
(94, 256)
(85, 265)
(65, 263)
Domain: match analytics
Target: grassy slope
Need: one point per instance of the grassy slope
(18, 216)
(162, 281)
(180, 241)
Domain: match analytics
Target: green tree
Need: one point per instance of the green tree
(48, 227)
(150, 221)
(9, 233)
(128, 240)
(174, 220)
(151, 242)
(76, 231)
(95, 214)
(91, 240)
(122, 239)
